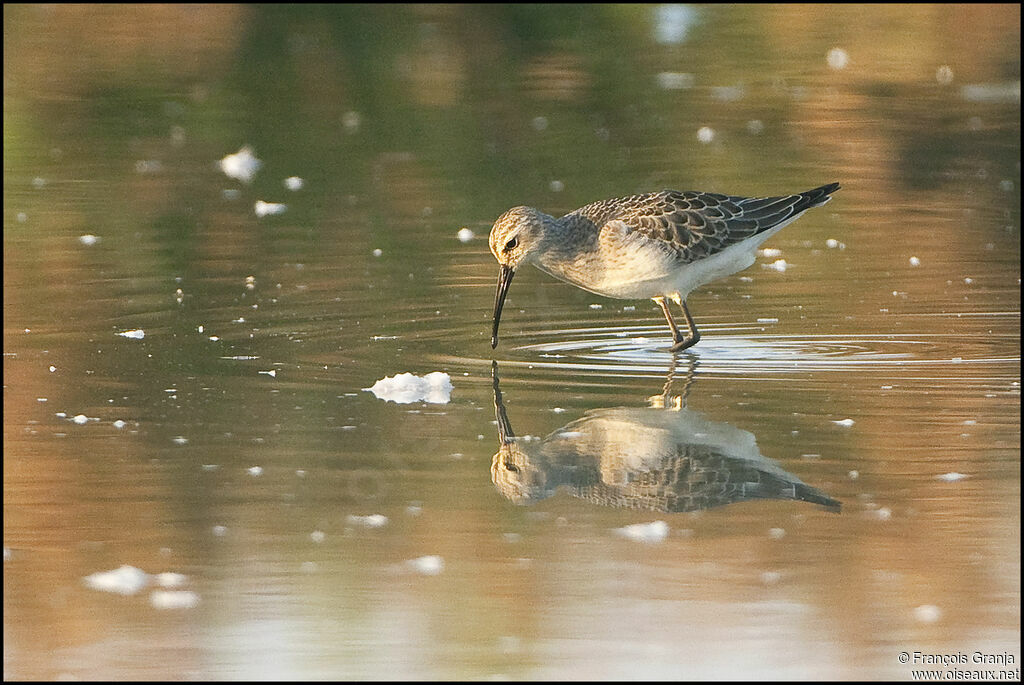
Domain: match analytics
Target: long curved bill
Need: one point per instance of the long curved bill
(504, 280)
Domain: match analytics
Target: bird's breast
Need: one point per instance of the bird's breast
(614, 265)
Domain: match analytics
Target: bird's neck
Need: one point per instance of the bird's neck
(568, 245)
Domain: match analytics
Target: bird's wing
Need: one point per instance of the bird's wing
(694, 224)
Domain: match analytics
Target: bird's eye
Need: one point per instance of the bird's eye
(511, 467)
(511, 245)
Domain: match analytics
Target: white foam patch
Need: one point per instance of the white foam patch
(136, 334)
(429, 566)
(837, 58)
(674, 80)
(371, 521)
(126, 580)
(927, 613)
(880, 514)
(168, 579)
(351, 121)
(465, 235)
(952, 476)
(263, 209)
(242, 165)
(405, 388)
(672, 23)
(652, 532)
(1008, 91)
(173, 599)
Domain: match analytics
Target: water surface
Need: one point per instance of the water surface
(878, 373)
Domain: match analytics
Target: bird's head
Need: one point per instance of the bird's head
(516, 235)
(515, 238)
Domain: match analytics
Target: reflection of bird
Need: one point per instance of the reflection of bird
(656, 245)
(668, 460)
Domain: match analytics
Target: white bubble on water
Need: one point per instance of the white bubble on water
(672, 23)
(125, 580)
(674, 80)
(173, 599)
(241, 165)
(351, 121)
(263, 209)
(371, 521)
(430, 565)
(837, 59)
(927, 613)
(653, 532)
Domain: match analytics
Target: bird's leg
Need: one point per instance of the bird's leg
(677, 337)
(693, 335)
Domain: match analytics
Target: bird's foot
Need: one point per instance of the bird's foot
(685, 343)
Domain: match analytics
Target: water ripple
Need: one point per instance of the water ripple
(629, 350)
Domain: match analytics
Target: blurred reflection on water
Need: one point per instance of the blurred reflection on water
(185, 349)
(665, 458)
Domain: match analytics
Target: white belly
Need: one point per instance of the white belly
(627, 280)
(631, 267)
(731, 260)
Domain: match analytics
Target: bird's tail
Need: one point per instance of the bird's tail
(816, 197)
(773, 212)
